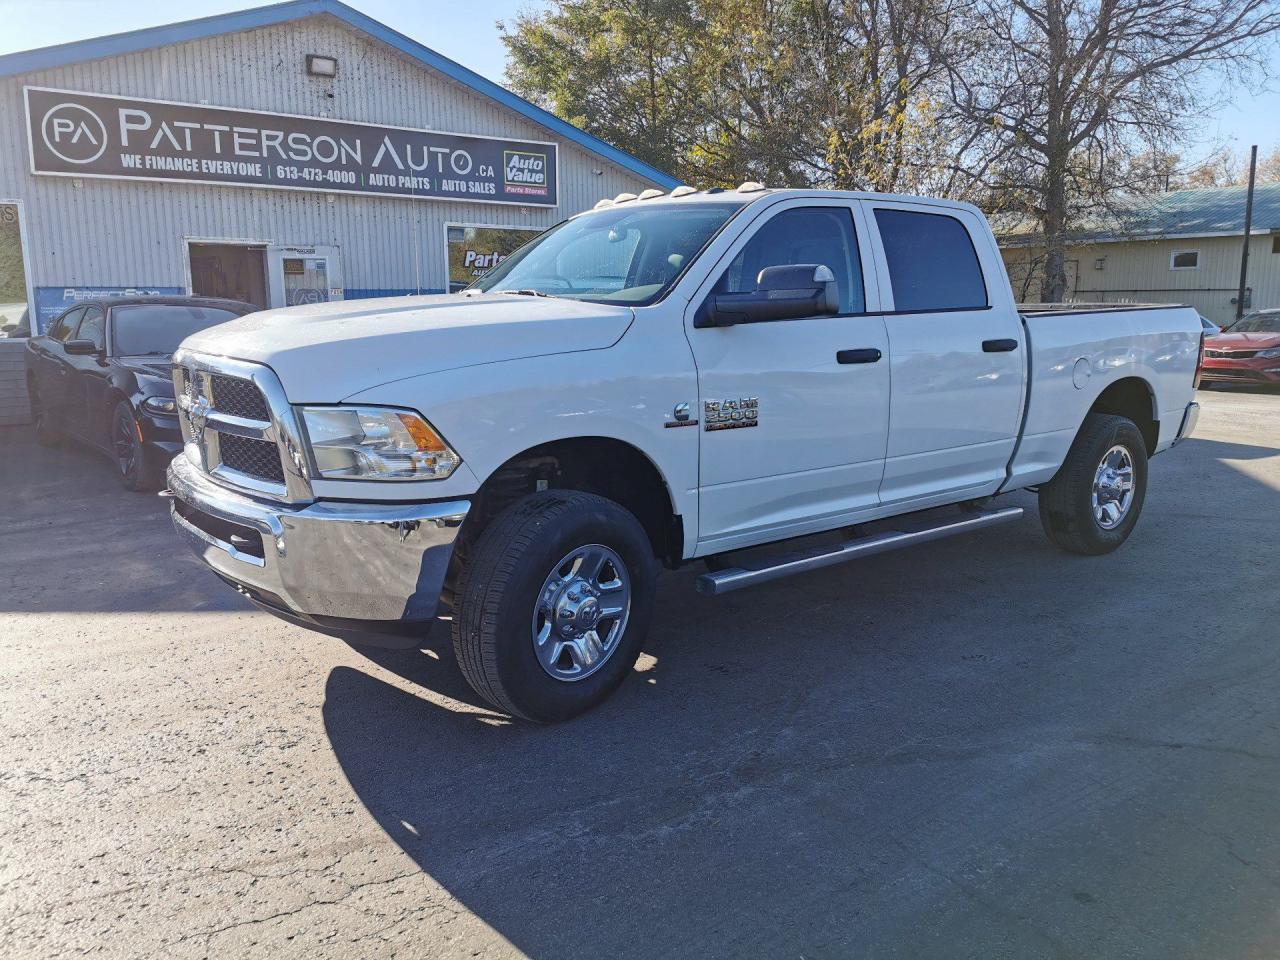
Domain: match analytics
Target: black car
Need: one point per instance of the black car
(101, 374)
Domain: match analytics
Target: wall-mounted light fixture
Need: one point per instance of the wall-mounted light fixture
(321, 66)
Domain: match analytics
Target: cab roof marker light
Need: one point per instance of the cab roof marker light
(650, 194)
(624, 198)
(751, 186)
(601, 204)
(683, 191)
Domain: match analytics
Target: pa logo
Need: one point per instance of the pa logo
(74, 133)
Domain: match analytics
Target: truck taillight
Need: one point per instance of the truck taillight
(1199, 363)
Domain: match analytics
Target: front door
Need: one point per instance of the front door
(792, 439)
(304, 274)
(958, 355)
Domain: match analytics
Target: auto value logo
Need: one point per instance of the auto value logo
(525, 171)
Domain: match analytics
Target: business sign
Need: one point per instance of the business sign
(474, 251)
(76, 134)
(51, 301)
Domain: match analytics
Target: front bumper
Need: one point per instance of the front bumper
(1249, 370)
(375, 565)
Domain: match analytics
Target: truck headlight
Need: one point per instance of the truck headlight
(1269, 353)
(160, 405)
(376, 443)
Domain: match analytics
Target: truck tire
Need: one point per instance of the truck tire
(553, 603)
(1093, 502)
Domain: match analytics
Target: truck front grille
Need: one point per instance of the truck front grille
(238, 426)
(256, 458)
(240, 398)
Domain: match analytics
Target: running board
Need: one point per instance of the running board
(735, 578)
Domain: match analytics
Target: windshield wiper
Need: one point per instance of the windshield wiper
(523, 293)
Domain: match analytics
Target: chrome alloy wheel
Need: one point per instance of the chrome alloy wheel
(581, 612)
(1113, 488)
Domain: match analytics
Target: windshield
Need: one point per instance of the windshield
(1256, 323)
(626, 255)
(157, 328)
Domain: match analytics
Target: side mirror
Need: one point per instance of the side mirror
(782, 293)
(80, 348)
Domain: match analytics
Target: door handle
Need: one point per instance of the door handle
(866, 355)
(999, 346)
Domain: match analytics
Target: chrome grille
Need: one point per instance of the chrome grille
(257, 458)
(240, 398)
(238, 426)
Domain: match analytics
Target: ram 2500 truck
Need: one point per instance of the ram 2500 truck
(662, 379)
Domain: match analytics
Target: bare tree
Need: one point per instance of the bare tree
(1065, 97)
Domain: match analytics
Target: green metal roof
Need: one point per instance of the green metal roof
(1179, 213)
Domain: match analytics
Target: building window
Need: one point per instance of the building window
(15, 316)
(1184, 260)
(1275, 243)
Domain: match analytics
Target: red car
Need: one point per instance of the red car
(1247, 351)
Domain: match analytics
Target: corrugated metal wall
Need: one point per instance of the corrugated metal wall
(122, 233)
(1138, 271)
(107, 233)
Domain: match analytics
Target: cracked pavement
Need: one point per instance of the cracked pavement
(976, 748)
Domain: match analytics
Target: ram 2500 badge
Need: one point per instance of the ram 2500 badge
(661, 379)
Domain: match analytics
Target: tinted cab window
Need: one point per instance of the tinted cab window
(932, 262)
(818, 235)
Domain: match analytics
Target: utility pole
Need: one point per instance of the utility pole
(1248, 226)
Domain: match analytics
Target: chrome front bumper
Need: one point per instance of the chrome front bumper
(374, 563)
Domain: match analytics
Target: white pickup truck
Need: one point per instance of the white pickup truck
(662, 379)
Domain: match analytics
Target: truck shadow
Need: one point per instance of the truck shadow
(802, 768)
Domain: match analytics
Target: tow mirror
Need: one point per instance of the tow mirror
(80, 348)
(786, 292)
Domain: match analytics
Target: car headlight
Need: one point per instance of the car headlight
(376, 443)
(160, 405)
(1269, 353)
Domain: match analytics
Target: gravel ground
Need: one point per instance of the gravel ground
(977, 748)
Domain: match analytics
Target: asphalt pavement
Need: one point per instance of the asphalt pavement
(977, 748)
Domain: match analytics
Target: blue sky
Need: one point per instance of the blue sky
(468, 33)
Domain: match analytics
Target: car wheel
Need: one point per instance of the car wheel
(128, 451)
(1093, 502)
(46, 434)
(553, 604)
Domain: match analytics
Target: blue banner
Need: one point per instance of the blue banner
(51, 301)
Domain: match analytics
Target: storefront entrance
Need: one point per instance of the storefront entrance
(233, 271)
(267, 275)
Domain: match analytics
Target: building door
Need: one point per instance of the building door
(229, 270)
(304, 274)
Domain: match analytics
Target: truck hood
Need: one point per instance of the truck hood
(325, 352)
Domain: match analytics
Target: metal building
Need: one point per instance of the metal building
(279, 155)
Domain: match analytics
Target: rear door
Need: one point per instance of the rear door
(792, 436)
(86, 373)
(50, 367)
(958, 356)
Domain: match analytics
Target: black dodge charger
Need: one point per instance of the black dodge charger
(101, 375)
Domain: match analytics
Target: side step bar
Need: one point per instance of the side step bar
(735, 578)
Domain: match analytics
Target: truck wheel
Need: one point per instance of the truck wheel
(1093, 502)
(553, 604)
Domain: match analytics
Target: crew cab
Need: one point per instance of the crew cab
(769, 381)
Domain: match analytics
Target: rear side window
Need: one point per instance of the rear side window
(817, 235)
(93, 327)
(65, 325)
(932, 262)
